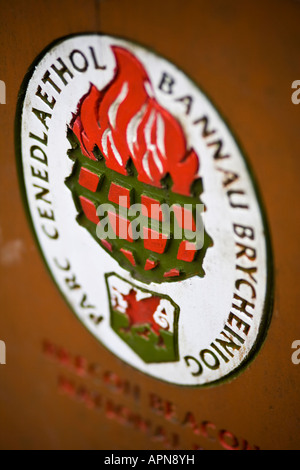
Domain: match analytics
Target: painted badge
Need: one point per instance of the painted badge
(144, 209)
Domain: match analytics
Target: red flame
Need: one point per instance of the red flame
(125, 121)
(141, 312)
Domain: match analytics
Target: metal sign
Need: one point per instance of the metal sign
(145, 209)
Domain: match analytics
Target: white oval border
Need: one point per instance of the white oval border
(204, 303)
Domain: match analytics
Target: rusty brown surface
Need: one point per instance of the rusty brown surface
(245, 56)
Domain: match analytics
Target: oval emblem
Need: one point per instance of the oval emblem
(144, 209)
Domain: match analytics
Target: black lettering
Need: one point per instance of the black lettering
(249, 271)
(72, 283)
(39, 174)
(84, 63)
(84, 304)
(46, 79)
(205, 131)
(219, 352)
(187, 101)
(206, 352)
(233, 202)
(247, 283)
(67, 267)
(238, 323)
(228, 344)
(41, 195)
(247, 251)
(53, 236)
(43, 140)
(42, 116)
(33, 153)
(229, 177)
(97, 66)
(44, 97)
(235, 335)
(166, 84)
(96, 319)
(218, 152)
(243, 231)
(44, 214)
(243, 307)
(199, 369)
